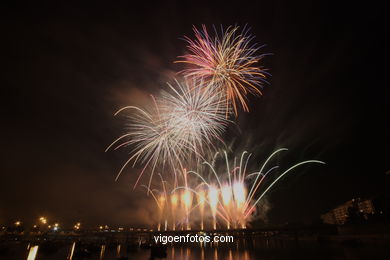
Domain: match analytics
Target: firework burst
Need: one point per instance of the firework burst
(197, 117)
(150, 139)
(183, 124)
(228, 63)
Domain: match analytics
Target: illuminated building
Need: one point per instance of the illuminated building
(340, 214)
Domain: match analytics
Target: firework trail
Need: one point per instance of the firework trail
(228, 198)
(183, 124)
(173, 205)
(228, 62)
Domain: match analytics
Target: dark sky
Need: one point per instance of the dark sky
(68, 68)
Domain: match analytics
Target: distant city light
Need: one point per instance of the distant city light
(77, 226)
(43, 220)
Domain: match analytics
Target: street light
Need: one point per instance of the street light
(43, 220)
(77, 226)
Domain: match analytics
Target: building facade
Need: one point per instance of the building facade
(340, 214)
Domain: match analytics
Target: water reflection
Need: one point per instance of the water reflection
(210, 253)
(70, 256)
(178, 253)
(118, 251)
(264, 249)
(102, 250)
(32, 254)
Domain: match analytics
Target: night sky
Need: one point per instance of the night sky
(67, 69)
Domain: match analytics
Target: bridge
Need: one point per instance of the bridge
(146, 235)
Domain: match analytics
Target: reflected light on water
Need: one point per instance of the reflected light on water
(246, 255)
(71, 251)
(265, 249)
(173, 252)
(32, 254)
(204, 253)
(118, 251)
(102, 249)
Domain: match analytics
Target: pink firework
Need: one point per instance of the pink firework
(227, 63)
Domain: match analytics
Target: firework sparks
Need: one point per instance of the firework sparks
(183, 123)
(183, 126)
(201, 201)
(187, 201)
(213, 201)
(197, 117)
(161, 202)
(228, 63)
(237, 205)
(151, 139)
(174, 201)
(226, 193)
(229, 201)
